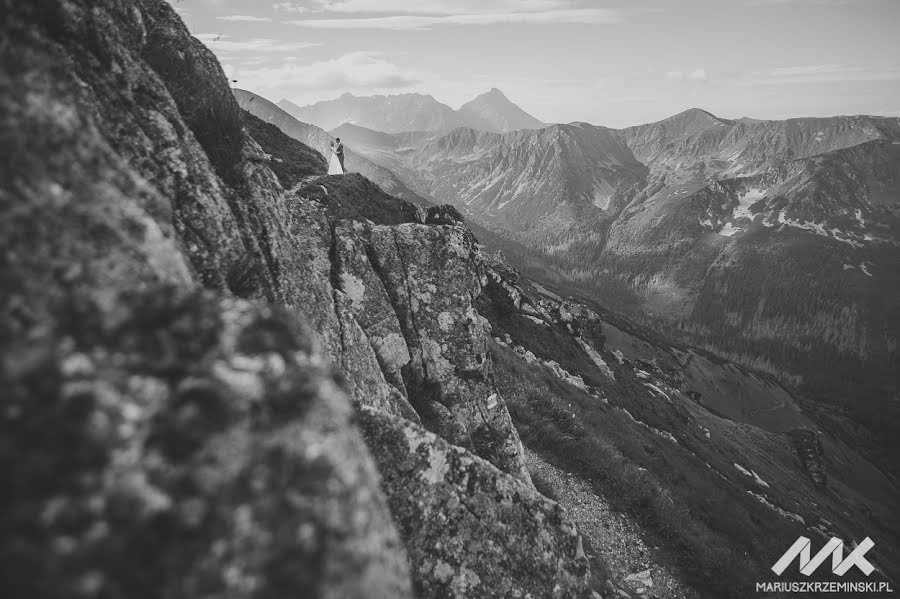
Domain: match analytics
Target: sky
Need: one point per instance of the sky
(614, 63)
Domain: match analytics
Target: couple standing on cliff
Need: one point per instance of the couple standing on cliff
(336, 165)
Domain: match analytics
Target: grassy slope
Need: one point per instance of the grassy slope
(353, 196)
(690, 494)
(349, 196)
(292, 161)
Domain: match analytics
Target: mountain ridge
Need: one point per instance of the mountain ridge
(397, 113)
(684, 194)
(319, 140)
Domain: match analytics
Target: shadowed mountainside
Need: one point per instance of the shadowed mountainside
(291, 161)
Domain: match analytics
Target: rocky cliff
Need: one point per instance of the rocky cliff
(219, 387)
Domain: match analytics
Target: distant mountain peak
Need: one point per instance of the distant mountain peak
(493, 111)
(492, 94)
(413, 111)
(700, 113)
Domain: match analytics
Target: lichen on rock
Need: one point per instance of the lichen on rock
(507, 539)
(190, 445)
(431, 275)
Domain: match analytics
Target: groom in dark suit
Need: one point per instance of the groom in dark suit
(339, 150)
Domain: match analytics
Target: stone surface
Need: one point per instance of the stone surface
(182, 445)
(362, 375)
(432, 275)
(507, 541)
(369, 300)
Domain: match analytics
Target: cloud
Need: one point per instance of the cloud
(816, 69)
(423, 7)
(695, 75)
(593, 16)
(227, 48)
(786, 2)
(245, 18)
(359, 71)
(820, 73)
(290, 7)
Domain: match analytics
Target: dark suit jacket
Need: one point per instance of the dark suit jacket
(339, 150)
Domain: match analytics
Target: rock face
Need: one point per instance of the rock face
(432, 276)
(808, 445)
(186, 347)
(434, 487)
(193, 446)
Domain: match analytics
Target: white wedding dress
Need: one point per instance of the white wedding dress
(334, 167)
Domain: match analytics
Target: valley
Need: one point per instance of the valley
(768, 243)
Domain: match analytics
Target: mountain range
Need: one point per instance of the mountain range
(319, 140)
(769, 242)
(229, 373)
(490, 111)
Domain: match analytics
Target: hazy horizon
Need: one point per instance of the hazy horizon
(608, 63)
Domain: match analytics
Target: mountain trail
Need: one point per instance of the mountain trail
(613, 537)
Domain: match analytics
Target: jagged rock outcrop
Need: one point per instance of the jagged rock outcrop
(808, 445)
(500, 524)
(432, 275)
(368, 300)
(413, 287)
(162, 440)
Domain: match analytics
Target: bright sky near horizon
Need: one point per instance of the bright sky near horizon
(613, 63)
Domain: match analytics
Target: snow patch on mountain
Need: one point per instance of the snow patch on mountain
(729, 230)
(765, 501)
(746, 200)
(752, 474)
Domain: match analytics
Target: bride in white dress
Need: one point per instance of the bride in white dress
(334, 165)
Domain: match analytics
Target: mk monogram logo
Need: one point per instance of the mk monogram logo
(835, 548)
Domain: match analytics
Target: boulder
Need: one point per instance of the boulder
(445, 214)
(183, 445)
